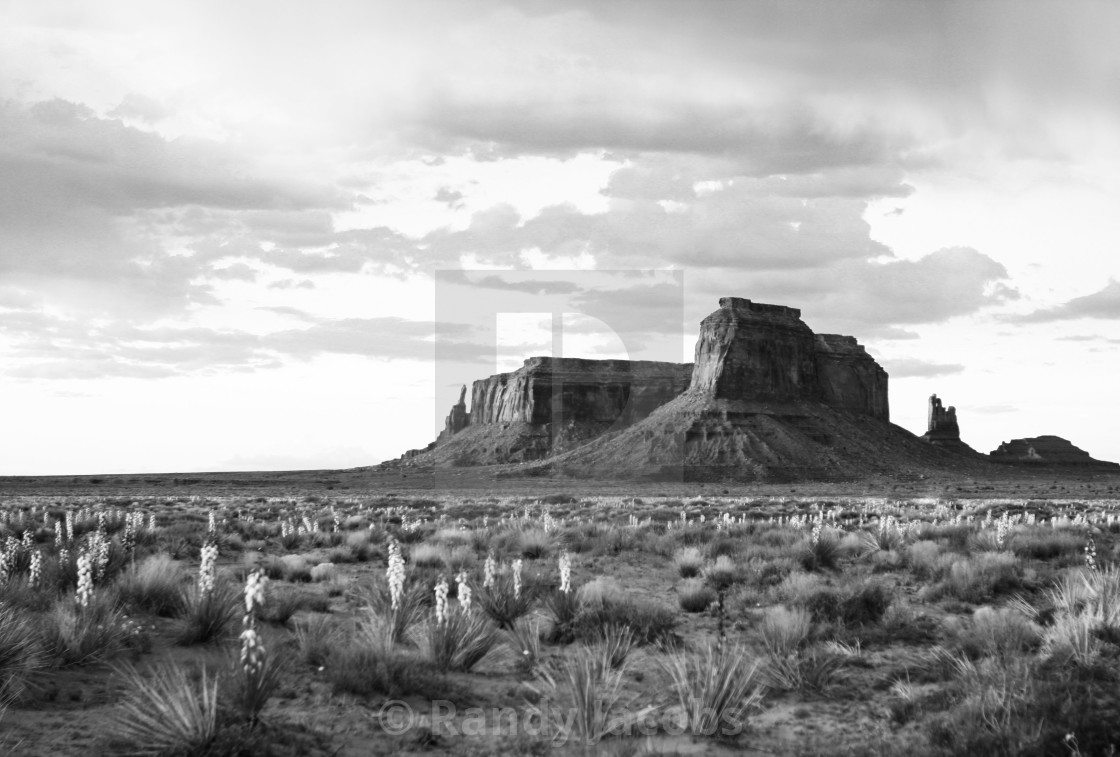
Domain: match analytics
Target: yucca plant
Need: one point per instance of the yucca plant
(505, 599)
(208, 616)
(524, 640)
(316, 637)
(613, 643)
(21, 655)
(460, 641)
(414, 602)
(595, 694)
(716, 688)
(75, 635)
(561, 609)
(167, 714)
(816, 669)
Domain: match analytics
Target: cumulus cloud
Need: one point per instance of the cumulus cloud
(914, 367)
(1103, 304)
(46, 346)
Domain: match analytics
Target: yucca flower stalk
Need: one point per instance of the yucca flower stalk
(441, 600)
(259, 674)
(463, 591)
(85, 580)
(490, 570)
(517, 578)
(206, 569)
(36, 570)
(1091, 554)
(395, 574)
(565, 572)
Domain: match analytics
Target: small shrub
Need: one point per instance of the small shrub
(651, 622)
(866, 605)
(74, 635)
(1048, 545)
(166, 714)
(324, 572)
(922, 557)
(722, 573)
(716, 688)
(600, 590)
(822, 554)
(980, 578)
(823, 605)
(458, 559)
(784, 630)
(688, 562)
(154, 585)
(997, 632)
(296, 569)
(208, 617)
(695, 595)
(316, 637)
(534, 544)
(428, 555)
(366, 670)
(796, 587)
(21, 655)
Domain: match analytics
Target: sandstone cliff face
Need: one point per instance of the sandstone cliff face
(563, 390)
(766, 397)
(748, 350)
(752, 351)
(850, 378)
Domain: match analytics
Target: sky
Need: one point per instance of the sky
(280, 235)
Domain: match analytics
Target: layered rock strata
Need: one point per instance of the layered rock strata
(548, 390)
(1045, 450)
(762, 384)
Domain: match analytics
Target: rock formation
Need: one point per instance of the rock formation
(942, 428)
(457, 420)
(1045, 450)
(549, 405)
(547, 390)
(765, 399)
(752, 351)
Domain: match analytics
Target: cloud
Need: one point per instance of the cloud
(899, 368)
(140, 108)
(1104, 304)
(49, 347)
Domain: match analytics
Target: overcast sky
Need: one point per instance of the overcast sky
(221, 223)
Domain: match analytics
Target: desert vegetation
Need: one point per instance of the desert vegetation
(496, 625)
